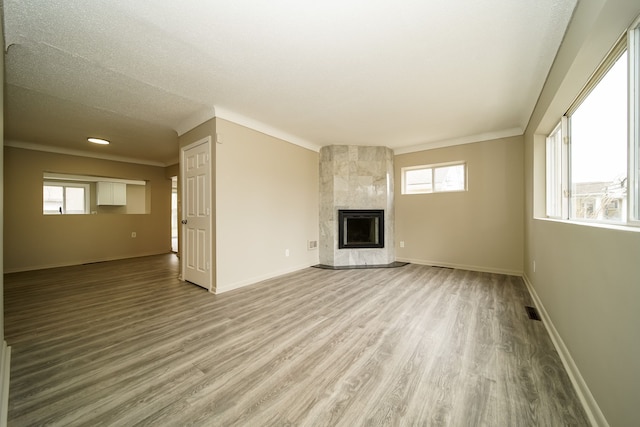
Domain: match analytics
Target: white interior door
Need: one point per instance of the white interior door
(196, 213)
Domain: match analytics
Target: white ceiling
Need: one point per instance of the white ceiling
(406, 74)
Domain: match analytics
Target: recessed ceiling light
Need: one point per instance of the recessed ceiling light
(98, 141)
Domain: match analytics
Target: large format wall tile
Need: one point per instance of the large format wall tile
(355, 177)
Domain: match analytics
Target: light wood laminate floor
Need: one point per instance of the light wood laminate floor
(126, 343)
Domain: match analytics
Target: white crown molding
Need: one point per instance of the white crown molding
(266, 129)
(80, 153)
(460, 141)
(197, 119)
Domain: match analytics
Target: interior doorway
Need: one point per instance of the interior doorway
(196, 218)
(174, 214)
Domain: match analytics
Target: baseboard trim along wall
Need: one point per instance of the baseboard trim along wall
(5, 369)
(462, 266)
(257, 279)
(584, 394)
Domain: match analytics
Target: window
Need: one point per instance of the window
(592, 160)
(598, 144)
(83, 194)
(634, 118)
(438, 178)
(65, 198)
(556, 174)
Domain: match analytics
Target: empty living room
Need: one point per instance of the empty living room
(243, 213)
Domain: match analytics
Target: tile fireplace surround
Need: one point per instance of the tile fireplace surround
(355, 177)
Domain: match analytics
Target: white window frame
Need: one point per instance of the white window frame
(557, 176)
(433, 167)
(631, 42)
(633, 176)
(87, 196)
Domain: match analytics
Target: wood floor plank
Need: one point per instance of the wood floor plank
(127, 343)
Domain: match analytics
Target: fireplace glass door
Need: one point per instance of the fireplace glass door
(360, 228)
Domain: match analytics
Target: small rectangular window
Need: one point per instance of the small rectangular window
(65, 198)
(445, 177)
(418, 181)
(449, 178)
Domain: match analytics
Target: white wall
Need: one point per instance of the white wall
(587, 278)
(266, 203)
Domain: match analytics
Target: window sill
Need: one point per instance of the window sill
(434, 192)
(618, 227)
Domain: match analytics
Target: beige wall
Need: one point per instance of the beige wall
(587, 278)
(266, 202)
(33, 240)
(480, 229)
(173, 170)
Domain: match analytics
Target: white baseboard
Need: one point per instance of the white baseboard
(584, 394)
(462, 266)
(5, 369)
(256, 279)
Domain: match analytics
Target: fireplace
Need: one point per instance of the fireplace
(356, 178)
(360, 228)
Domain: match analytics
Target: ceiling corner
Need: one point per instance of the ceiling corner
(195, 120)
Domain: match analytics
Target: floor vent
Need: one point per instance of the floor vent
(532, 312)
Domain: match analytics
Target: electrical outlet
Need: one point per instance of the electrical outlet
(133, 234)
(402, 243)
(534, 266)
(286, 252)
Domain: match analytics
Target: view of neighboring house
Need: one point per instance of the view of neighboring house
(600, 201)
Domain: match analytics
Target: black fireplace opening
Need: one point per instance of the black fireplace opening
(360, 228)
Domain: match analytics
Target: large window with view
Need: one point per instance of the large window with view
(598, 143)
(592, 154)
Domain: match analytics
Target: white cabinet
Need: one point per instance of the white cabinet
(112, 193)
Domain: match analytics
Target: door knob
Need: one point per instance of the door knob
(184, 221)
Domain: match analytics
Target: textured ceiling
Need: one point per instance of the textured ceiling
(404, 74)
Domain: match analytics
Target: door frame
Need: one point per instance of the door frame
(182, 205)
